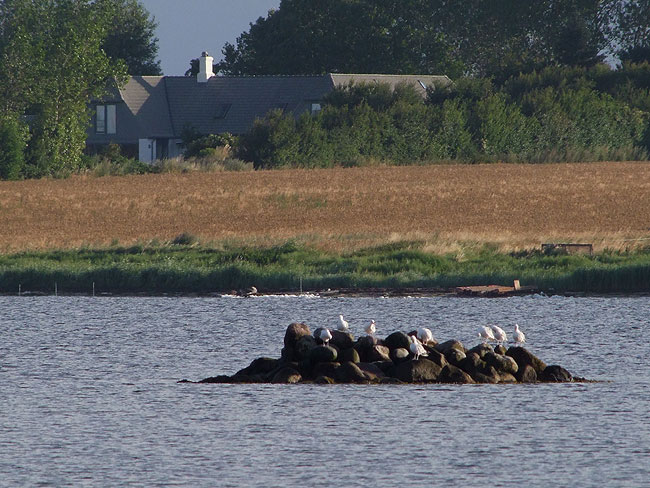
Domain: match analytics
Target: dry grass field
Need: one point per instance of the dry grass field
(446, 207)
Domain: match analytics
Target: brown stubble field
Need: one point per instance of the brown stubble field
(448, 207)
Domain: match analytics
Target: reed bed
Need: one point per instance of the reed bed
(448, 208)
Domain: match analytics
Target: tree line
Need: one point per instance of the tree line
(55, 56)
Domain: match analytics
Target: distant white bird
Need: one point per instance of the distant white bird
(499, 334)
(325, 336)
(519, 336)
(371, 328)
(425, 335)
(344, 324)
(417, 349)
(486, 334)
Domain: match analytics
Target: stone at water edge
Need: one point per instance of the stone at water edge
(416, 371)
(526, 374)
(287, 375)
(503, 364)
(303, 347)
(523, 357)
(325, 369)
(294, 332)
(454, 356)
(481, 349)
(443, 347)
(400, 355)
(350, 373)
(350, 354)
(452, 374)
(396, 340)
(342, 340)
(555, 374)
(435, 356)
(322, 354)
(259, 366)
(500, 349)
(373, 371)
(377, 353)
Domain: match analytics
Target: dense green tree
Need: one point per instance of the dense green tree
(131, 36)
(12, 148)
(52, 65)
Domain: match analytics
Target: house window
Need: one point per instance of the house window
(315, 108)
(105, 119)
(222, 111)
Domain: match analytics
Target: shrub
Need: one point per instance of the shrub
(12, 149)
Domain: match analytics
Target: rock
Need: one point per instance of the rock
(556, 374)
(384, 366)
(481, 349)
(294, 332)
(523, 357)
(503, 364)
(377, 353)
(349, 355)
(472, 363)
(436, 357)
(287, 354)
(454, 356)
(397, 340)
(483, 378)
(365, 342)
(322, 354)
(350, 373)
(303, 346)
(400, 355)
(416, 371)
(507, 378)
(324, 380)
(500, 349)
(325, 369)
(287, 375)
(259, 366)
(452, 374)
(443, 347)
(372, 371)
(388, 380)
(342, 340)
(222, 378)
(526, 374)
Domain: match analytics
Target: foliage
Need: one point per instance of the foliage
(131, 36)
(185, 266)
(52, 66)
(12, 148)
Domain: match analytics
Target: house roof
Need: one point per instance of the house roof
(162, 106)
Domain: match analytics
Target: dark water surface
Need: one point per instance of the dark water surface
(89, 397)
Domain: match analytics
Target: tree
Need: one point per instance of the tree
(368, 36)
(131, 36)
(12, 147)
(626, 25)
(55, 65)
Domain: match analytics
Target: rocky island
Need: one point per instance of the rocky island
(339, 358)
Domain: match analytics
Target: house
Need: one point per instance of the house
(146, 116)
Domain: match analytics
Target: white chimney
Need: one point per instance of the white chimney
(205, 68)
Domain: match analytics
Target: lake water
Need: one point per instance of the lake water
(89, 397)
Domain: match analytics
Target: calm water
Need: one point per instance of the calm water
(89, 397)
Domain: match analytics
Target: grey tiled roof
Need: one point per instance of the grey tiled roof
(240, 99)
(146, 98)
(161, 106)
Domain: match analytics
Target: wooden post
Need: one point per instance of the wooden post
(517, 285)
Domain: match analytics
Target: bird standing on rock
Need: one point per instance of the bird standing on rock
(344, 327)
(499, 334)
(371, 328)
(519, 336)
(325, 336)
(486, 333)
(417, 349)
(425, 335)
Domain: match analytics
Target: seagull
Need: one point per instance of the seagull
(325, 336)
(425, 335)
(519, 336)
(344, 324)
(370, 329)
(486, 334)
(499, 334)
(417, 349)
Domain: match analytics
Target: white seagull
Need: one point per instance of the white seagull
(499, 334)
(417, 349)
(425, 335)
(344, 324)
(519, 336)
(325, 336)
(371, 328)
(486, 334)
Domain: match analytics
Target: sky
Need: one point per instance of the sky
(186, 28)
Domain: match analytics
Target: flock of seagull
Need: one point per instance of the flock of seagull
(424, 336)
